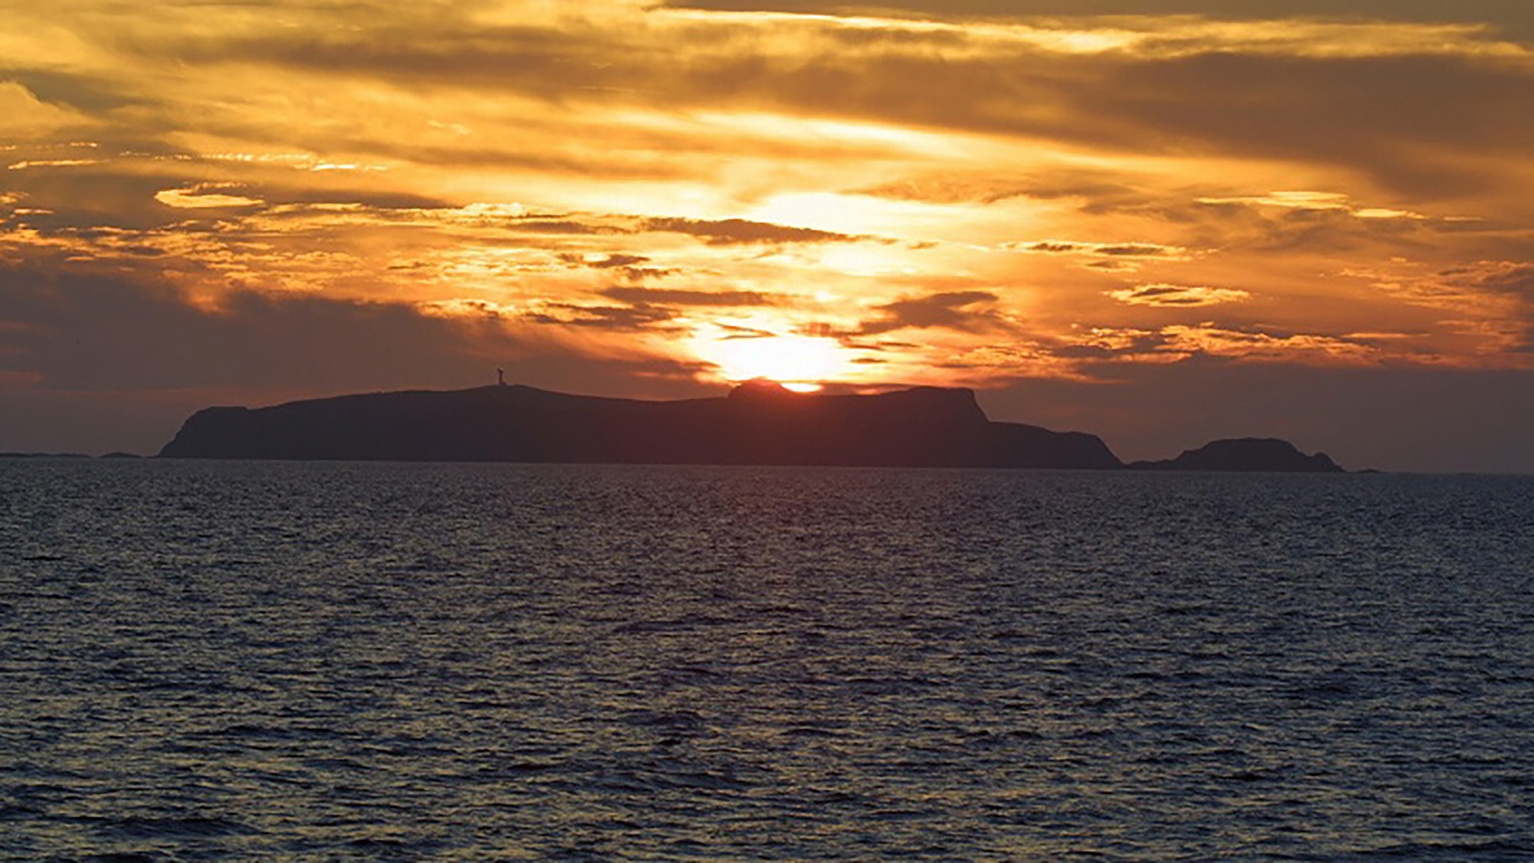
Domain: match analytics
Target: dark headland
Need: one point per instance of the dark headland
(757, 423)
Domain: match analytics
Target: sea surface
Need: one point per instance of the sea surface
(330, 661)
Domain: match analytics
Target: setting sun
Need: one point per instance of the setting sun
(799, 363)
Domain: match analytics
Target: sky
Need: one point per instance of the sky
(1161, 222)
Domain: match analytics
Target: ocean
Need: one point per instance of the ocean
(331, 661)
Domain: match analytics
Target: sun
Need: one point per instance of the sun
(799, 363)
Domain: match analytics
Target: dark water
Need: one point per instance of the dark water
(333, 661)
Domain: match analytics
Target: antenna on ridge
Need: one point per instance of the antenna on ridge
(500, 377)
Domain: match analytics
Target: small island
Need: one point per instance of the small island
(758, 423)
(1246, 454)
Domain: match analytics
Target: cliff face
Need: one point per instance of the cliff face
(757, 424)
(1246, 454)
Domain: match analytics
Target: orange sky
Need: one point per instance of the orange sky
(1204, 220)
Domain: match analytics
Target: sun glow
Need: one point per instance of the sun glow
(799, 363)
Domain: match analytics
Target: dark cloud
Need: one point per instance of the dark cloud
(647, 274)
(629, 267)
(1133, 250)
(823, 330)
(1178, 296)
(1102, 352)
(1117, 250)
(624, 319)
(609, 262)
(88, 95)
(955, 310)
(726, 232)
(737, 331)
(1511, 277)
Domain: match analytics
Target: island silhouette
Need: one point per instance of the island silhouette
(758, 423)
(1250, 454)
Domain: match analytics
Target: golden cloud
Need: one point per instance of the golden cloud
(618, 170)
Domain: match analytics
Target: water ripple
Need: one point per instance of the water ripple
(343, 661)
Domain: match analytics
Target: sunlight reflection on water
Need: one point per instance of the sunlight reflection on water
(467, 661)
